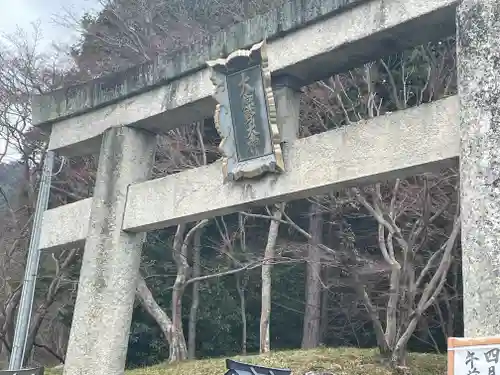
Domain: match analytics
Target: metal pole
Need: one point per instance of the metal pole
(30, 274)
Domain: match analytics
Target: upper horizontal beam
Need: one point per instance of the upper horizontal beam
(333, 44)
(104, 90)
(399, 144)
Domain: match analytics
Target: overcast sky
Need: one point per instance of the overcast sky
(23, 12)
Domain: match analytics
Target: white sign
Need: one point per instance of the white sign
(478, 356)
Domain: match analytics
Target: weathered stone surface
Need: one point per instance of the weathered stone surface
(66, 225)
(292, 15)
(400, 144)
(103, 310)
(333, 44)
(478, 39)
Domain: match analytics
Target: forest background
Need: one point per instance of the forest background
(368, 266)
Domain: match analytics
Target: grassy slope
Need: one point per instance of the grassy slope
(338, 361)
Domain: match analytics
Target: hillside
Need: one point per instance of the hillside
(10, 175)
(335, 361)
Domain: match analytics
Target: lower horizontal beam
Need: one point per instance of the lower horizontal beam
(396, 145)
(66, 225)
(401, 143)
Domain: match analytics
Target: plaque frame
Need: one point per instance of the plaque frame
(233, 168)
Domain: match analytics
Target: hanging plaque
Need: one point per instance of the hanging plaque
(245, 115)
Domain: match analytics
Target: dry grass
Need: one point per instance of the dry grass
(337, 361)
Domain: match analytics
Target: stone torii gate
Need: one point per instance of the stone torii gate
(307, 41)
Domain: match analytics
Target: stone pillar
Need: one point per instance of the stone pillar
(103, 311)
(478, 54)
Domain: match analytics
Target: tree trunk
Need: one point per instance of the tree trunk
(391, 326)
(175, 339)
(195, 297)
(241, 292)
(149, 304)
(178, 347)
(360, 288)
(265, 315)
(324, 308)
(312, 315)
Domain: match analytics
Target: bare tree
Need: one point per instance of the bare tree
(418, 252)
(60, 281)
(312, 317)
(241, 283)
(419, 249)
(193, 312)
(178, 150)
(240, 259)
(148, 302)
(128, 32)
(24, 71)
(181, 149)
(269, 258)
(178, 348)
